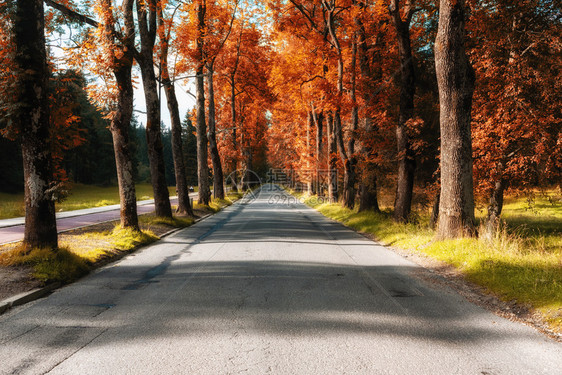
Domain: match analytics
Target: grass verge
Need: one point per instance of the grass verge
(80, 197)
(84, 249)
(522, 264)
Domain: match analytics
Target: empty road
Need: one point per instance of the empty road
(265, 286)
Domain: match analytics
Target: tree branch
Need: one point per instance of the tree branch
(80, 18)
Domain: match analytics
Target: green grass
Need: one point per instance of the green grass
(77, 254)
(175, 222)
(80, 252)
(80, 197)
(522, 263)
(218, 204)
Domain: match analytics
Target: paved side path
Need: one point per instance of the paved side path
(265, 287)
(12, 230)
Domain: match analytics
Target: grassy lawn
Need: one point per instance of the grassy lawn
(522, 263)
(81, 196)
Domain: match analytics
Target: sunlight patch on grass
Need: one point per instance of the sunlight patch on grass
(175, 222)
(48, 265)
(80, 197)
(76, 254)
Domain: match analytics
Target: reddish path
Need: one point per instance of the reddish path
(72, 220)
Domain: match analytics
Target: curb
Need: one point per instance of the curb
(34, 294)
(25, 297)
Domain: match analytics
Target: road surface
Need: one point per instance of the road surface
(12, 230)
(265, 286)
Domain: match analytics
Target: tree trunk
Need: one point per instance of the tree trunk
(147, 31)
(184, 203)
(33, 121)
(121, 121)
(309, 175)
(319, 123)
(218, 179)
(332, 161)
(120, 124)
(349, 174)
(435, 212)
(496, 204)
(368, 180)
(234, 167)
(201, 126)
(406, 161)
(455, 79)
(349, 170)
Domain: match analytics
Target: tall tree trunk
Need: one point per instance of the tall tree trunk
(319, 123)
(455, 79)
(121, 120)
(120, 125)
(147, 31)
(309, 174)
(234, 167)
(184, 203)
(349, 199)
(218, 179)
(33, 121)
(201, 126)
(406, 160)
(349, 173)
(332, 161)
(368, 180)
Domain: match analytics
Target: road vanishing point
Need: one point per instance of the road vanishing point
(266, 286)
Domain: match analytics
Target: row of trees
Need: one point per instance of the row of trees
(438, 92)
(423, 90)
(110, 40)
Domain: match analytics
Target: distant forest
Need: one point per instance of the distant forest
(92, 159)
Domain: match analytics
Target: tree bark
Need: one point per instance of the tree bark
(218, 178)
(368, 180)
(406, 160)
(201, 126)
(34, 123)
(496, 203)
(434, 212)
(184, 203)
(455, 79)
(349, 173)
(368, 189)
(309, 174)
(145, 59)
(319, 123)
(332, 161)
(121, 120)
(349, 170)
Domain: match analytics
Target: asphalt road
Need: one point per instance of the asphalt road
(12, 230)
(265, 286)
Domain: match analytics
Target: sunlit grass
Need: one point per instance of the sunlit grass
(79, 252)
(80, 197)
(522, 262)
(218, 204)
(48, 265)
